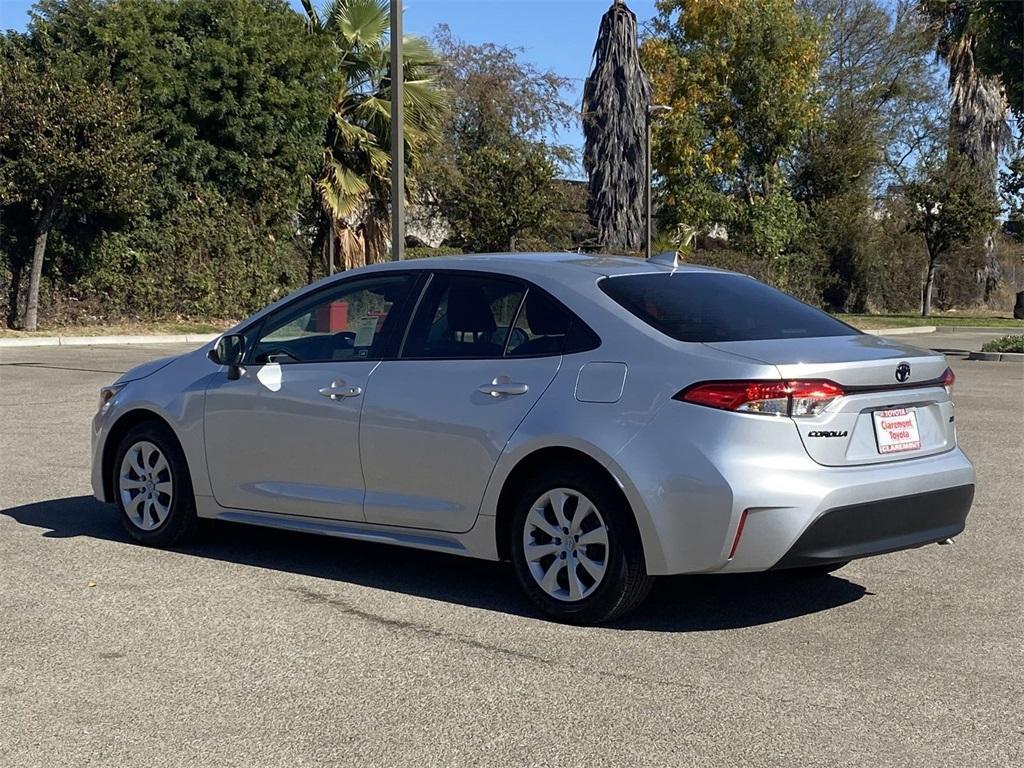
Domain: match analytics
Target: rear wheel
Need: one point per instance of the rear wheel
(153, 486)
(575, 548)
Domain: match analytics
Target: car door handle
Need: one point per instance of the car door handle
(339, 390)
(502, 386)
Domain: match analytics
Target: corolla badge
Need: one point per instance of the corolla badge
(902, 372)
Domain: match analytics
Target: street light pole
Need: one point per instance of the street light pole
(652, 110)
(397, 135)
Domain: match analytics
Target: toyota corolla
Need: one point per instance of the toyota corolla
(597, 421)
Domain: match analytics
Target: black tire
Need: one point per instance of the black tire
(625, 582)
(181, 521)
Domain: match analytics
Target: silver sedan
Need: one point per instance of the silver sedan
(597, 421)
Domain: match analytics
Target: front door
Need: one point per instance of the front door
(284, 437)
(436, 420)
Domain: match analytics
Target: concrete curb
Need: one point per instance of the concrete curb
(998, 330)
(943, 329)
(95, 341)
(998, 357)
(901, 331)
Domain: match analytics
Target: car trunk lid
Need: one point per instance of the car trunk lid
(887, 385)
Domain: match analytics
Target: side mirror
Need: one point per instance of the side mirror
(229, 350)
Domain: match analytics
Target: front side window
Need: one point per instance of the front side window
(350, 322)
(463, 316)
(713, 306)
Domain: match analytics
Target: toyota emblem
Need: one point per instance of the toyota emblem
(902, 372)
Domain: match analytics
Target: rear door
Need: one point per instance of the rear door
(435, 421)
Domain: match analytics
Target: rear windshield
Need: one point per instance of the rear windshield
(709, 306)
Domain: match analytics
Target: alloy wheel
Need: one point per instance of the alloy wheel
(145, 485)
(565, 543)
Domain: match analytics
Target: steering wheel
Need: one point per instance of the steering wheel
(271, 356)
(345, 337)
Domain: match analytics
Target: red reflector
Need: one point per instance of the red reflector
(739, 532)
(948, 378)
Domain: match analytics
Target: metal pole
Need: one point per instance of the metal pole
(397, 135)
(651, 111)
(647, 186)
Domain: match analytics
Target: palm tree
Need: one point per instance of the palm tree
(354, 185)
(615, 101)
(978, 106)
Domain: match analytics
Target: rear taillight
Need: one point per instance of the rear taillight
(948, 380)
(770, 398)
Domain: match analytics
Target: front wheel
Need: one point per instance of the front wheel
(576, 550)
(153, 486)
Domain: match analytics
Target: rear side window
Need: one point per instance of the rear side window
(709, 306)
(463, 316)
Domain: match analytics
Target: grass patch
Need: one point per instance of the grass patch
(869, 322)
(1005, 344)
(156, 328)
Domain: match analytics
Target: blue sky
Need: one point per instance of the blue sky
(554, 34)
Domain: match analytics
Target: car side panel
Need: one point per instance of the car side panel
(604, 430)
(429, 438)
(176, 394)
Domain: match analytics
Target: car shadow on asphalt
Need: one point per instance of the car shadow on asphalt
(676, 604)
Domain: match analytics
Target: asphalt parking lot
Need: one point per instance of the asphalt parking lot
(263, 648)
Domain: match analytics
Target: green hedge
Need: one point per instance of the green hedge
(1005, 344)
(426, 253)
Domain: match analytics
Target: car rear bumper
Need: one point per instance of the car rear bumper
(695, 475)
(878, 527)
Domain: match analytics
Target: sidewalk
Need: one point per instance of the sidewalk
(96, 341)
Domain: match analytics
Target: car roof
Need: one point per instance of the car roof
(575, 271)
(569, 268)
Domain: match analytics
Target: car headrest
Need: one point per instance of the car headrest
(469, 310)
(544, 316)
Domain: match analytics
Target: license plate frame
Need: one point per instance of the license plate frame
(896, 430)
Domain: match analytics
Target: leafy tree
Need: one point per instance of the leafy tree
(978, 108)
(739, 75)
(876, 75)
(229, 89)
(616, 98)
(1011, 187)
(492, 178)
(232, 96)
(949, 203)
(355, 182)
(498, 193)
(65, 144)
(493, 93)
